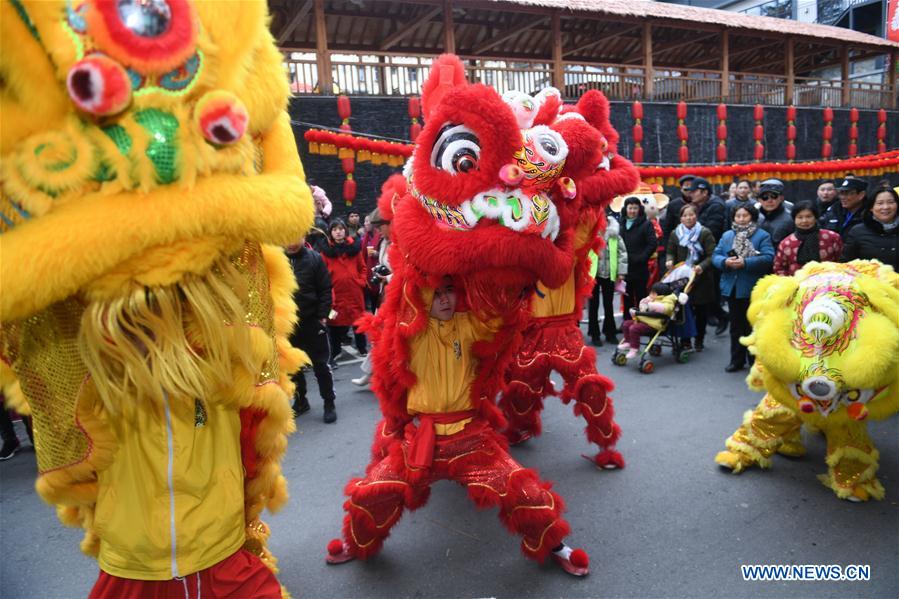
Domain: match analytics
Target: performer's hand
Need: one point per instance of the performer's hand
(697, 269)
(669, 264)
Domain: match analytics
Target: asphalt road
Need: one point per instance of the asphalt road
(671, 524)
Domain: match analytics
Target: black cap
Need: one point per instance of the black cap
(684, 179)
(700, 183)
(853, 184)
(771, 186)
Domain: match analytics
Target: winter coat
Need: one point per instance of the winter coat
(870, 241)
(711, 216)
(740, 282)
(837, 218)
(778, 223)
(313, 297)
(672, 216)
(640, 242)
(703, 291)
(830, 247)
(348, 276)
(604, 268)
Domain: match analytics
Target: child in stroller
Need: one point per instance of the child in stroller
(665, 316)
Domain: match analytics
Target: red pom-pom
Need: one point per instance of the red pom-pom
(579, 558)
(99, 85)
(335, 547)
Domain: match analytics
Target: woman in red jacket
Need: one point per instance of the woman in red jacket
(346, 263)
(807, 243)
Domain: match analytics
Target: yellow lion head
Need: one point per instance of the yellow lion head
(827, 339)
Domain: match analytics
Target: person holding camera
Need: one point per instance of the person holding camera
(382, 272)
(343, 255)
(744, 255)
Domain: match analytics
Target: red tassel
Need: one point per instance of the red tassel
(681, 110)
(343, 107)
(637, 110)
(722, 112)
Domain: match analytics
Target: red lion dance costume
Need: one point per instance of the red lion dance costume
(552, 339)
(490, 204)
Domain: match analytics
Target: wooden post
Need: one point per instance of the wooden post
(558, 66)
(846, 92)
(725, 65)
(449, 28)
(894, 93)
(791, 72)
(647, 61)
(322, 56)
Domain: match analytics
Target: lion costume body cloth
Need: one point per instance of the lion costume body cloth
(553, 339)
(826, 342)
(147, 161)
(489, 202)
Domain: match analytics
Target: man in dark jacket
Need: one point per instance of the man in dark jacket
(775, 218)
(672, 211)
(711, 213)
(313, 299)
(849, 211)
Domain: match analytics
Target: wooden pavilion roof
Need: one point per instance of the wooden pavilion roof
(593, 31)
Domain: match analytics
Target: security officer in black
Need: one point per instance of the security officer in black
(849, 211)
(313, 300)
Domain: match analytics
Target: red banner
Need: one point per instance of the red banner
(893, 20)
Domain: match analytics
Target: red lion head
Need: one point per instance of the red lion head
(490, 187)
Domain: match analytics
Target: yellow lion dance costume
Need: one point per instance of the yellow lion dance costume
(147, 161)
(826, 342)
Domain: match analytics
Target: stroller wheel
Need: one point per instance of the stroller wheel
(647, 367)
(655, 350)
(619, 359)
(683, 357)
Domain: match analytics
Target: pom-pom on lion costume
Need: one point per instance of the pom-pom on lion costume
(826, 343)
(552, 339)
(147, 160)
(490, 206)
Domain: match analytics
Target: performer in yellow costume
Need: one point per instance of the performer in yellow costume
(147, 161)
(826, 342)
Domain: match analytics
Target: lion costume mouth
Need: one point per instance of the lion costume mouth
(826, 405)
(527, 213)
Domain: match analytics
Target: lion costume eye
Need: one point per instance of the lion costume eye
(456, 150)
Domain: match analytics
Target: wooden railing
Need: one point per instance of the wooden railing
(400, 75)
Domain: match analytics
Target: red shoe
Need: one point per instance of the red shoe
(609, 459)
(577, 563)
(518, 437)
(338, 553)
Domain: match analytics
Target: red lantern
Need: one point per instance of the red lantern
(722, 112)
(414, 130)
(881, 133)
(637, 110)
(349, 190)
(853, 115)
(414, 107)
(721, 132)
(853, 132)
(349, 165)
(759, 152)
(638, 154)
(758, 133)
(881, 116)
(826, 150)
(791, 113)
(791, 132)
(681, 110)
(828, 114)
(828, 132)
(758, 113)
(638, 133)
(343, 107)
(721, 153)
(683, 154)
(791, 152)
(682, 133)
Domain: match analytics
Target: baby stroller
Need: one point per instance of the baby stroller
(680, 278)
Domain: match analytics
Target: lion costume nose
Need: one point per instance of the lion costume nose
(820, 388)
